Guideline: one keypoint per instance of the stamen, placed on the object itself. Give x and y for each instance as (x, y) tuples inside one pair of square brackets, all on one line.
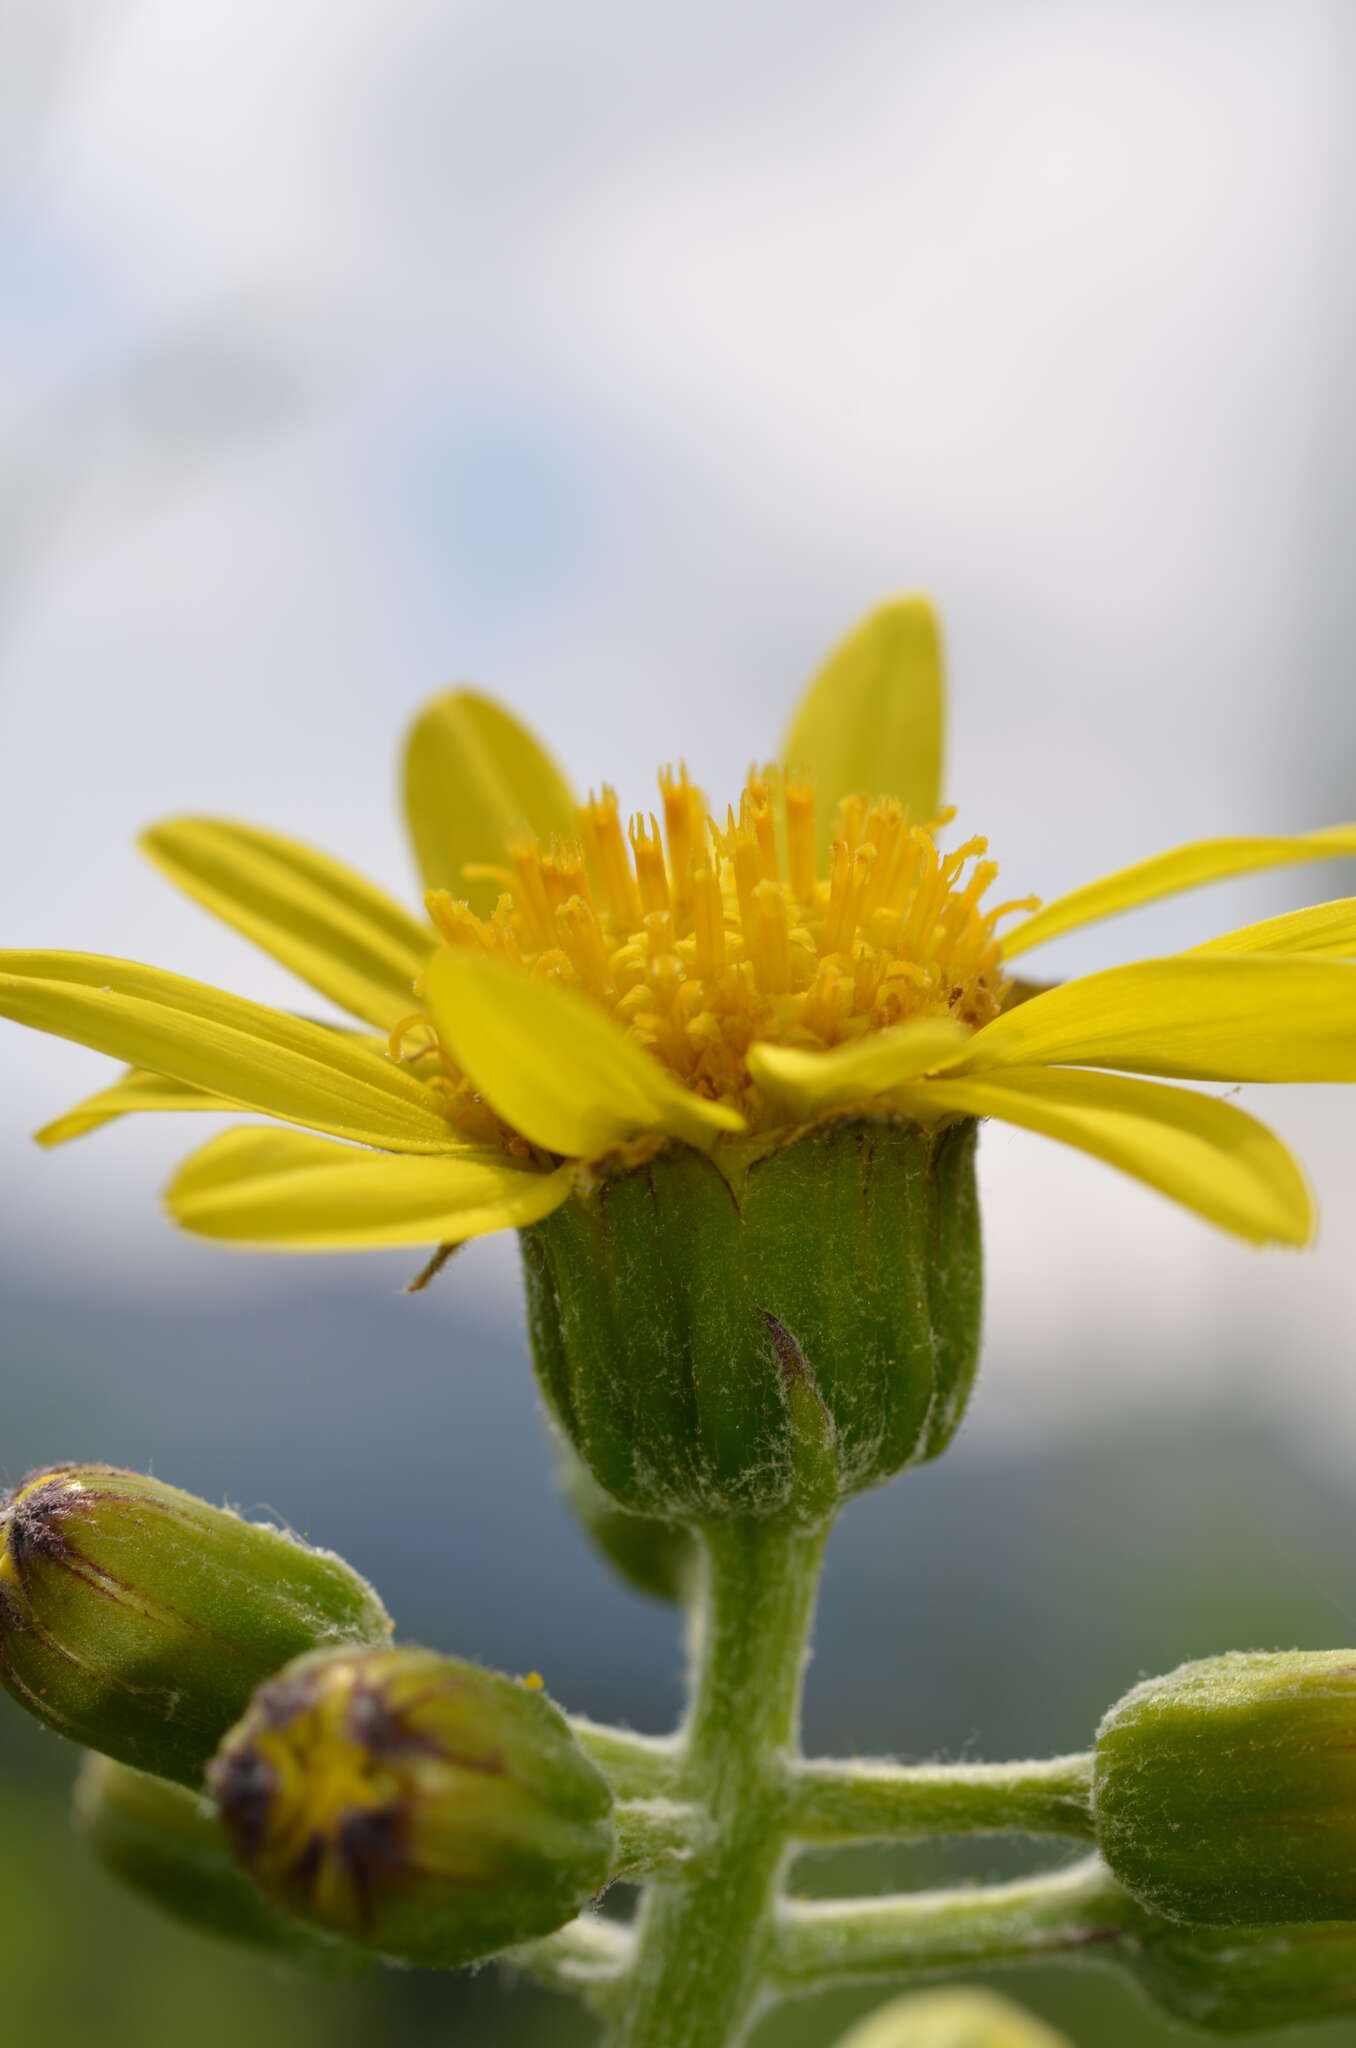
[(685, 831), (529, 896), (564, 872), (581, 935), (699, 940), (600, 822), (708, 914), (457, 922), (756, 815), (649, 856), (770, 945), (800, 836)]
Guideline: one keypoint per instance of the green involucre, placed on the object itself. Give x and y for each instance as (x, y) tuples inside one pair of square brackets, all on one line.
[(768, 1335)]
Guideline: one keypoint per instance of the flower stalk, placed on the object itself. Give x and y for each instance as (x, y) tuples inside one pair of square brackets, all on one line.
[(831, 1802), (932, 1934), (696, 1977)]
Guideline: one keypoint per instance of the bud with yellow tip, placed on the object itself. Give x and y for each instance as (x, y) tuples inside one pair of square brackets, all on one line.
[(424, 1806), (138, 1620)]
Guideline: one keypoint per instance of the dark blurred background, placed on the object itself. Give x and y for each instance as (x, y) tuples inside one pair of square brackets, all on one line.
[(615, 359)]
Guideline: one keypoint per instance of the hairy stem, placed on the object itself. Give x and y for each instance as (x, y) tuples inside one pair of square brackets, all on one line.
[(925, 1934), (868, 1801), (701, 1945), (638, 1766), (657, 1837)]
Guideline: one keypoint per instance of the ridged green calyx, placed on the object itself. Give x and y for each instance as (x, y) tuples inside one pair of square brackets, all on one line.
[(767, 1334), (169, 1845), (1246, 1980), (1225, 1792), (423, 1806), (138, 1620)]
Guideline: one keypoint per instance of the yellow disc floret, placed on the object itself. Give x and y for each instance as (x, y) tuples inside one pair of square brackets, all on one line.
[(702, 939)]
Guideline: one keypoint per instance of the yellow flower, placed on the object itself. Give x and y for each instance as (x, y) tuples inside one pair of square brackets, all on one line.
[(578, 992)]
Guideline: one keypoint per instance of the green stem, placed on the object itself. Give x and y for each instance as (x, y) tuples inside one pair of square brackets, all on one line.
[(638, 1766), (926, 1934), (856, 1802), (701, 1945), (656, 1837)]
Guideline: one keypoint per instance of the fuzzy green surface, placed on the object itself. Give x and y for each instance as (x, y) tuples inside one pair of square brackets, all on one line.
[(420, 1805), (675, 1309), (1225, 1792), (137, 1619)]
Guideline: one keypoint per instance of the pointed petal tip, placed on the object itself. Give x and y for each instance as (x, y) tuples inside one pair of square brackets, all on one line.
[(873, 718), (472, 774)]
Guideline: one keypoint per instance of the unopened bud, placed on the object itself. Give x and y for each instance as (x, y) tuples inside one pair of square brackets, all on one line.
[(426, 1807), (138, 1620), (168, 1844), (953, 2019), (1225, 1793)]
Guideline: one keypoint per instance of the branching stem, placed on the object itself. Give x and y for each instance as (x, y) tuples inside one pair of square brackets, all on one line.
[(701, 1945), (926, 1934), (869, 1801), (639, 1766)]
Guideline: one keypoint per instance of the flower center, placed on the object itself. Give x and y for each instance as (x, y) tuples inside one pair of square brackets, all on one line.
[(310, 1794), (702, 940)]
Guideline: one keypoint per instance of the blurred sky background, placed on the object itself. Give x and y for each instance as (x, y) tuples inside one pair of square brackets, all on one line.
[(616, 359)]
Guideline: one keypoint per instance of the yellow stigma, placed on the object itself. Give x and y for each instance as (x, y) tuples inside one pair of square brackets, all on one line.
[(702, 938)]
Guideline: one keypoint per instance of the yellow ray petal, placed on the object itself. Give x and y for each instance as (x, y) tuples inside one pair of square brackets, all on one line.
[(807, 1084), (340, 933), (1168, 874), (1204, 1153), (138, 1090), (555, 1065), (291, 1192), (257, 1058), (1325, 931), (472, 775), (132, 1092), (874, 717), (1258, 1017)]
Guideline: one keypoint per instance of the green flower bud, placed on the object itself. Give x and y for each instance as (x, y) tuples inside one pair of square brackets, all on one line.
[(658, 1558), (138, 1620), (953, 2019), (1226, 1792), (169, 1845), (765, 1334), (1244, 1980), (428, 1808)]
